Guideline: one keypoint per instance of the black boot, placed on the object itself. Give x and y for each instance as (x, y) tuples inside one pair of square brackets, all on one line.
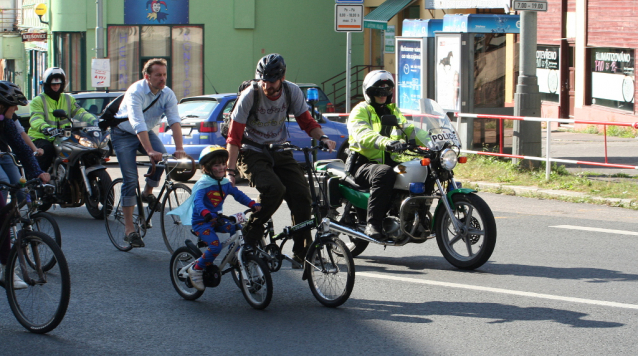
[(374, 231)]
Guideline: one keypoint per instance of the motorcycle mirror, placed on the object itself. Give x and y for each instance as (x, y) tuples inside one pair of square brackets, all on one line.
[(59, 113), (389, 120)]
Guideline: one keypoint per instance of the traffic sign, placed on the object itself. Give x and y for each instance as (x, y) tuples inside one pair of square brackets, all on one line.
[(530, 5), (348, 18)]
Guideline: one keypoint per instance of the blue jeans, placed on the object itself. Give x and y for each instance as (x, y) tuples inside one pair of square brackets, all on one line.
[(9, 173), (126, 146)]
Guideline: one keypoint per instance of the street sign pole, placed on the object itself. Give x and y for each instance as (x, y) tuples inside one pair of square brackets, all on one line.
[(348, 19), (527, 137)]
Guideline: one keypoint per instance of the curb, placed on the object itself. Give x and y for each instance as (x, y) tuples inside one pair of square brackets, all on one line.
[(536, 192)]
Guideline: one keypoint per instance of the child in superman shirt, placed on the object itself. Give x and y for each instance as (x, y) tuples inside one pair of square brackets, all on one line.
[(206, 202)]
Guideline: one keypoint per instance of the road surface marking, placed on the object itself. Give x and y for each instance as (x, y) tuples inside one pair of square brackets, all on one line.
[(609, 231), (499, 290)]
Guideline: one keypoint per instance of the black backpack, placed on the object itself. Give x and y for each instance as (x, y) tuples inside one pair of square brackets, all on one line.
[(225, 126)]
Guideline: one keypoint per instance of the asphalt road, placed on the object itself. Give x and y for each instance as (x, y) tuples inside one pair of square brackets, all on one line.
[(549, 288)]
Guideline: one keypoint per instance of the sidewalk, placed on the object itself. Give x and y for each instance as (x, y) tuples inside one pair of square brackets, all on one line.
[(580, 147)]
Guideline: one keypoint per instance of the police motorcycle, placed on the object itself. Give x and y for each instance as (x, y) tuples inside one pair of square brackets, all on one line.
[(78, 173), (461, 221)]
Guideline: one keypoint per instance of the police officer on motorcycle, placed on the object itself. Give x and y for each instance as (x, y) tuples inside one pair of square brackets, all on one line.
[(372, 146), (44, 126)]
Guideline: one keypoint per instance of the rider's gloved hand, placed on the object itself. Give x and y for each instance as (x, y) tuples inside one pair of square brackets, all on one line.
[(51, 131), (211, 218), (256, 207), (395, 146)]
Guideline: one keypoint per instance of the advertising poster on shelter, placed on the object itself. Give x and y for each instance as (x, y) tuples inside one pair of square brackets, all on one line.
[(447, 61), (156, 12), (409, 74)]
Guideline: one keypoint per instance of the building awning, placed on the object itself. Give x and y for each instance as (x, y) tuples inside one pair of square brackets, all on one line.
[(379, 17)]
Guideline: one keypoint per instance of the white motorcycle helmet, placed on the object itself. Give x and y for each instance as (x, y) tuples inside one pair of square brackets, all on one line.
[(372, 85), (54, 75)]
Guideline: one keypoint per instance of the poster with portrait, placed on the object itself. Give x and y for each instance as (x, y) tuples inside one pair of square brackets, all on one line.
[(409, 73), (156, 12), (448, 72)]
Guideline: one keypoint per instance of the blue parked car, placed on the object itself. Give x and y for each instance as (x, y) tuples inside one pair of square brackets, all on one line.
[(201, 122)]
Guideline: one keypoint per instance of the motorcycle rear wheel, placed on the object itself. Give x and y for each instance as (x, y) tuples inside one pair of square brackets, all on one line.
[(469, 250)]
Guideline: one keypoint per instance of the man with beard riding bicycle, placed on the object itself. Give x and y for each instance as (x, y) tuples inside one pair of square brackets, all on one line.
[(276, 175)]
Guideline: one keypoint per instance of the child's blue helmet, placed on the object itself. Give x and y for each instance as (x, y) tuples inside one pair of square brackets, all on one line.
[(211, 152)]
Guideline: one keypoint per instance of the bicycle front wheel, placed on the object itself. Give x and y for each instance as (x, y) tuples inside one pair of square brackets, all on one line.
[(331, 271), (41, 306), (46, 224), (173, 231), (257, 288), (114, 216)]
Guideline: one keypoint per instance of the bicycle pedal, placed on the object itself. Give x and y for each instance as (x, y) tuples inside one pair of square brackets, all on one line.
[(149, 225)]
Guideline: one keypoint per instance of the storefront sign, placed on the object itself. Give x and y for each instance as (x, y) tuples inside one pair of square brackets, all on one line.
[(409, 74), (34, 37), (100, 72), (548, 70), (156, 12), (389, 39), (613, 77)]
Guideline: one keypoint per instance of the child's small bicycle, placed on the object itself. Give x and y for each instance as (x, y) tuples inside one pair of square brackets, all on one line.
[(253, 274)]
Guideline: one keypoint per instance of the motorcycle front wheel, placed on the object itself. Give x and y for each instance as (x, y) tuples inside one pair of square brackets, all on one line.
[(100, 182), (473, 245)]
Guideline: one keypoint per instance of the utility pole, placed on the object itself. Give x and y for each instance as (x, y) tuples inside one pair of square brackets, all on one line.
[(99, 30), (527, 100)]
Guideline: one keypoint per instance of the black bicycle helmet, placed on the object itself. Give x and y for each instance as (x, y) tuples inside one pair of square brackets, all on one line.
[(271, 67), (11, 95)]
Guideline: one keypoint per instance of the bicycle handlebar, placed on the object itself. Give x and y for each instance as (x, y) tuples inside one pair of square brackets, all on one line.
[(287, 146), (165, 157)]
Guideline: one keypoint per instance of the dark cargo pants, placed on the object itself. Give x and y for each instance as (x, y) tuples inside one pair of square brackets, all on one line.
[(277, 177)]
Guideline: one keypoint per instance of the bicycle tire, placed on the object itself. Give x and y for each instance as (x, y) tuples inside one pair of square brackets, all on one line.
[(181, 258), (259, 293), (46, 224), (332, 281), (27, 304), (114, 216), (173, 232)]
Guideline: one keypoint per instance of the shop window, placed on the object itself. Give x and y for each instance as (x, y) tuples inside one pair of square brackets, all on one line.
[(124, 53), (489, 70), (612, 77), (70, 50), (181, 46), (156, 41), (188, 56)]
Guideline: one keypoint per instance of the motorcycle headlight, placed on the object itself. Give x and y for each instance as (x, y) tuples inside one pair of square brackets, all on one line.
[(87, 143), (449, 159), (105, 141)]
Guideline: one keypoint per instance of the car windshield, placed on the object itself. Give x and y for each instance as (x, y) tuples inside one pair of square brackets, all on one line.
[(196, 108)]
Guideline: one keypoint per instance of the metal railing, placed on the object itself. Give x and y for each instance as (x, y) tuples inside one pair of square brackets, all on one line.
[(338, 84), (548, 160)]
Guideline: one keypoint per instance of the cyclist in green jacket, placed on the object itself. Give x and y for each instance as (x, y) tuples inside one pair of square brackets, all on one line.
[(43, 124), (374, 148)]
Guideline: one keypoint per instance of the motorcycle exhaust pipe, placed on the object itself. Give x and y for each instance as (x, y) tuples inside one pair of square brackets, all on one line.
[(356, 234)]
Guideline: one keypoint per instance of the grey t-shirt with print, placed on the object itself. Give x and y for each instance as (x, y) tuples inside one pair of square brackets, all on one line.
[(268, 125)]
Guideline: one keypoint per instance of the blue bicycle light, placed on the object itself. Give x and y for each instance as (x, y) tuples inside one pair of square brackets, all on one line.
[(417, 188), (312, 94)]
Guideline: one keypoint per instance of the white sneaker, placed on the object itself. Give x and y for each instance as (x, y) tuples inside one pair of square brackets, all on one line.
[(18, 283), (197, 278)]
